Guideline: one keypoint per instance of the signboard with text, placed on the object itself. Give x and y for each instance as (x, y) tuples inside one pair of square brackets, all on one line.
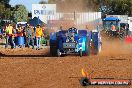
[(43, 11)]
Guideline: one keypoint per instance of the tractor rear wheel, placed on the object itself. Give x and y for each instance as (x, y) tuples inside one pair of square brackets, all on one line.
[(96, 50), (87, 47), (53, 50)]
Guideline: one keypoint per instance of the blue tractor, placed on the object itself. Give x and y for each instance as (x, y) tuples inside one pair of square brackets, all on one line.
[(73, 41), (113, 27)]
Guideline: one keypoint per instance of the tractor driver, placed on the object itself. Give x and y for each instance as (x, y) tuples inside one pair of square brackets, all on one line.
[(113, 27)]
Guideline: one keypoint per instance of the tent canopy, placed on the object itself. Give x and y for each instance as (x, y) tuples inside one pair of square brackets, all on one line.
[(111, 19), (35, 21)]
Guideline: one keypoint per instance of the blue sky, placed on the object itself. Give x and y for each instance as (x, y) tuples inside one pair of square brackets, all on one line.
[(27, 3)]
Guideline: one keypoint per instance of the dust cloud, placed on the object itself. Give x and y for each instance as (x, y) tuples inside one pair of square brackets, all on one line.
[(114, 47), (72, 5)]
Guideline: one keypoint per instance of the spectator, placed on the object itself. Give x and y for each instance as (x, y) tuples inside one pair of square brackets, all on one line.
[(113, 27), (24, 34), (9, 36), (1, 32), (30, 36), (39, 34), (19, 31)]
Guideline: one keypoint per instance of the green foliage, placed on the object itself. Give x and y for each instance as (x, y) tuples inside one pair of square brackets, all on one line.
[(2, 9), (5, 1), (5, 11), (123, 7), (17, 13), (118, 7), (20, 13)]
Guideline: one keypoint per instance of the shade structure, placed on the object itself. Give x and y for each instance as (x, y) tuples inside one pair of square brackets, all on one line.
[(35, 21), (111, 19)]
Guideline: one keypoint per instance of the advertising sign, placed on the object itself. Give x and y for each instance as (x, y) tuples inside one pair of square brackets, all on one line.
[(43, 11)]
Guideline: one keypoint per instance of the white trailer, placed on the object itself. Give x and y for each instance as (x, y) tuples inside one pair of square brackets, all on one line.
[(23, 24), (130, 23), (123, 18)]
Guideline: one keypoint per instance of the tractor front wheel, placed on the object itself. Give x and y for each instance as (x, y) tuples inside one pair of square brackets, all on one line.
[(58, 53)]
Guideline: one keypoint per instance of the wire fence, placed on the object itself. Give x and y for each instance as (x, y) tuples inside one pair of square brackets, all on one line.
[(80, 20)]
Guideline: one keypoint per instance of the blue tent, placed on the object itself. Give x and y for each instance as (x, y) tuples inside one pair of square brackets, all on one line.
[(35, 21), (111, 19)]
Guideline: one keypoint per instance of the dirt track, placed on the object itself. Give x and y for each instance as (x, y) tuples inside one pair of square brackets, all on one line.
[(27, 68)]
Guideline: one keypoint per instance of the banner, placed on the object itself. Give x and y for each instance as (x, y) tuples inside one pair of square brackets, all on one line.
[(43, 11)]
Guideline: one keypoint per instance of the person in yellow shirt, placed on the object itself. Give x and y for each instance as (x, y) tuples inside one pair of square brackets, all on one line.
[(39, 33), (9, 36)]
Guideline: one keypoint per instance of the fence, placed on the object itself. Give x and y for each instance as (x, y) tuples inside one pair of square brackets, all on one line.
[(80, 20)]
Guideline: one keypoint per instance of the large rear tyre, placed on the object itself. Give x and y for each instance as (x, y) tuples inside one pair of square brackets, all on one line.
[(52, 51), (96, 50), (80, 52)]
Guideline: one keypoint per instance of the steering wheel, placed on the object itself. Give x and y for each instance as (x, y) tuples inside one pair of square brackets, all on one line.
[(72, 30)]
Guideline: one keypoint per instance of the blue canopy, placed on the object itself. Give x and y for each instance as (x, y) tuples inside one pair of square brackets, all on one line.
[(35, 21), (111, 19)]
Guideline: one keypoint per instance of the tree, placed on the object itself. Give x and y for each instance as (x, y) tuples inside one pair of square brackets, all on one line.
[(5, 1), (5, 11), (20, 13), (118, 7), (2, 9), (43, 2)]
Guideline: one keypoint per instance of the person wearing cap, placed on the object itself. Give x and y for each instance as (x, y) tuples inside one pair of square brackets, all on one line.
[(39, 33), (9, 36), (30, 35)]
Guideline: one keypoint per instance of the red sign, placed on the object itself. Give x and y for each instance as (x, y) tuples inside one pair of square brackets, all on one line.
[(128, 39)]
